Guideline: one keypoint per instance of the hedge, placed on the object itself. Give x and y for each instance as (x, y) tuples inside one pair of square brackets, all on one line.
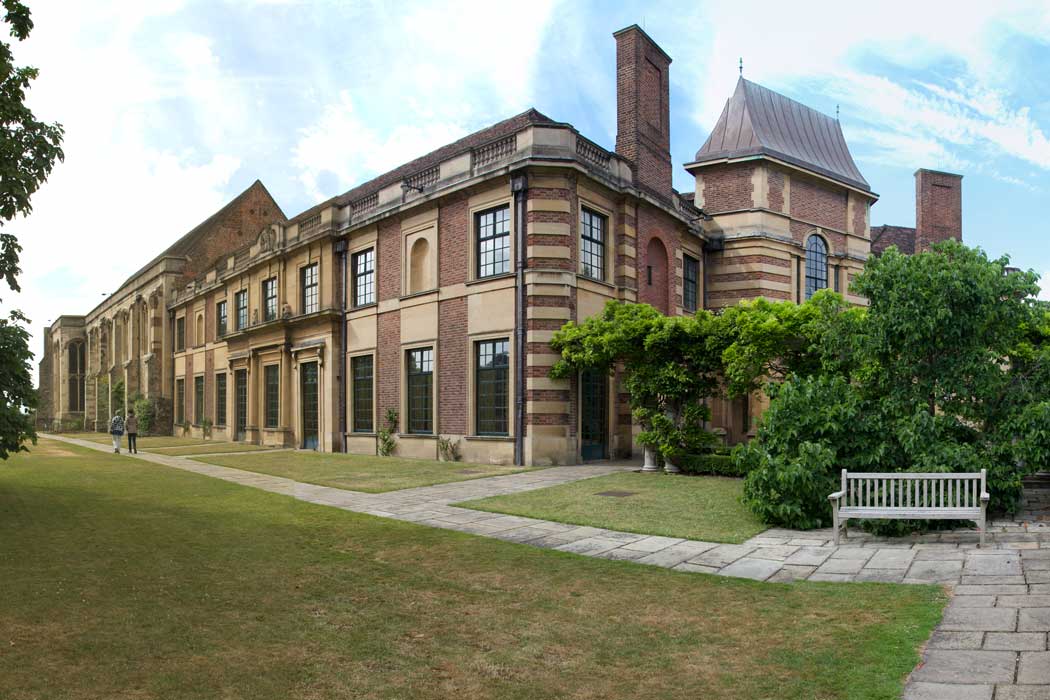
[(718, 464)]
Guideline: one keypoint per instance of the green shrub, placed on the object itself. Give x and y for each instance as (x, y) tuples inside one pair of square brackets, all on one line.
[(386, 443), (145, 411), (712, 463)]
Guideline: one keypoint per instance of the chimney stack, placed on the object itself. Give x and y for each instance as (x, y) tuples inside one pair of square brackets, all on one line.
[(643, 130), (938, 208)]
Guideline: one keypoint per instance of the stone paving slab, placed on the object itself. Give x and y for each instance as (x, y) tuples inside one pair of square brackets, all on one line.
[(992, 641)]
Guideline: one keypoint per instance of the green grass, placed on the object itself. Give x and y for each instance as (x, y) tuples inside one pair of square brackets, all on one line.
[(143, 442), (209, 447), (694, 507), (359, 472), (124, 579)]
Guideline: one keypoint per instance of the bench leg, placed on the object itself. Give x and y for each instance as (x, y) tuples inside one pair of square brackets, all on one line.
[(835, 521)]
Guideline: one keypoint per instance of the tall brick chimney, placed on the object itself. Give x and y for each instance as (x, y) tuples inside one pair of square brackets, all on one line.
[(938, 208), (643, 129)]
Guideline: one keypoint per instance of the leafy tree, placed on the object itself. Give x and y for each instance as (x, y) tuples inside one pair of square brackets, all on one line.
[(671, 367), (29, 149), (948, 369)]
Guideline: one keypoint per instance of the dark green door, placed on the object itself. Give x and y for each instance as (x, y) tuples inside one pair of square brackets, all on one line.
[(308, 394), (594, 402), (240, 403)]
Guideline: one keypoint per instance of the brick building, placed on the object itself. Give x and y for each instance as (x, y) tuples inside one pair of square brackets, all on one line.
[(430, 293)]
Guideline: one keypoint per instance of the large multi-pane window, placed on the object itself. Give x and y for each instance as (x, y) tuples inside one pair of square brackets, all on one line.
[(420, 387), (77, 371), (592, 244), (308, 288), (240, 300), (180, 334), (816, 265), (220, 398), (690, 282), (221, 319), (363, 267), (198, 400), (269, 293), (272, 383), (180, 401), (492, 229), (491, 383), (362, 368)]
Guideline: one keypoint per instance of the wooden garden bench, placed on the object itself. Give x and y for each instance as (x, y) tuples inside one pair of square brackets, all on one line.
[(910, 496)]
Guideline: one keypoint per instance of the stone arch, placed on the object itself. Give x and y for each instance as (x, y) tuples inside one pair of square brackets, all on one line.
[(419, 267), (655, 281)]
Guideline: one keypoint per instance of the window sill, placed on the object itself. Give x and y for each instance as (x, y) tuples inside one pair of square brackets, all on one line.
[(489, 438), (416, 436), (490, 278), (360, 435), (603, 283), (362, 307), (413, 295)]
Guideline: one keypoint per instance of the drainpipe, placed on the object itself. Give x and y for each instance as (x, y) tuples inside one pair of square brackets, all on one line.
[(340, 249), (519, 186)]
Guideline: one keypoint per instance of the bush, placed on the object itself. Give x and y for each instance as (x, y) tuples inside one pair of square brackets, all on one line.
[(145, 412), (385, 441), (712, 463)]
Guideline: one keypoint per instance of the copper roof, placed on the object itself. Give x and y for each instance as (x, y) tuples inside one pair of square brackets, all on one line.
[(759, 122)]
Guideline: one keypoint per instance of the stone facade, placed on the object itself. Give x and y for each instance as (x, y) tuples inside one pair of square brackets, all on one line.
[(430, 294)]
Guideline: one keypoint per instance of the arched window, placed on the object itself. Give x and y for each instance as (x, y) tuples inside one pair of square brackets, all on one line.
[(419, 270), (76, 376), (816, 265)]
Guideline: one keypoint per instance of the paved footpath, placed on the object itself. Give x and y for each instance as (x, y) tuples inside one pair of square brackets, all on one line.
[(991, 644)]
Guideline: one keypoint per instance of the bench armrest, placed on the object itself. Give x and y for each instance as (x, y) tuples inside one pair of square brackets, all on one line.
[(985, 497), (836, 496)]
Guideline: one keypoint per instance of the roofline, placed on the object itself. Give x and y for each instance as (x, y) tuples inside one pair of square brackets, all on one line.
[(938, 172), (628, 28), (786, 161)]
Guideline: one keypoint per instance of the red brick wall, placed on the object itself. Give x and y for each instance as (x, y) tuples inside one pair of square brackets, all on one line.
[(653, 224), (643, 133), (728, 188), (209, 384), (938, 208), (818, 203), (238, 225), (453, 365), (860, 210), (388, 259), (776, 189), (388, 367), (454, 229)]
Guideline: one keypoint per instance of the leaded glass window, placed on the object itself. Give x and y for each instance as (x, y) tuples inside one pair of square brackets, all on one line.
[(491, 384), (363, 265), (592, 244), (690, 282), (816, 265), (308, 279), (492, 228), (420, 390), (362, 368), (272, 382)]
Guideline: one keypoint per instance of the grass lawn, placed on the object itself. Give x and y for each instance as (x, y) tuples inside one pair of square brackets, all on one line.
[(359, 472), (695, 507), (143, 442), (209, 447), (124, 579)]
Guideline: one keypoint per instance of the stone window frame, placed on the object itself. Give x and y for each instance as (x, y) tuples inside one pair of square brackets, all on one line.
[(473, 342), (222, 318), (686, 256), (608, 245), (200, 407), (266, 396), (355, 302), (479, 207), (238, 295), (270, 291), (352, 388), (432, 345), (220, 407), (809, 268), (180, 333), (301, 281), (180, 400)]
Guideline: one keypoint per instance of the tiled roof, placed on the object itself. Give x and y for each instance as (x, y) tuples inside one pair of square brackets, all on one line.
[(478, 138), (758, 121), (882, 237)]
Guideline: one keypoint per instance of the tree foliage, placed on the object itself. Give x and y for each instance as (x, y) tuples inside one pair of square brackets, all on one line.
[(671, 366), (946, 370), (29, 149)]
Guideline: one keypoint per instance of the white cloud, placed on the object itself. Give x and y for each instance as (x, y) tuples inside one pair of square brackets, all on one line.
[(430, 73)]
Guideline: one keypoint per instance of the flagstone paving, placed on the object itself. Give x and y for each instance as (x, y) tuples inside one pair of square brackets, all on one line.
[(992, 642)]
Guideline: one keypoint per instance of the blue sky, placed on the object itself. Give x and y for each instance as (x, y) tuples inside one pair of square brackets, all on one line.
[(172, 107)]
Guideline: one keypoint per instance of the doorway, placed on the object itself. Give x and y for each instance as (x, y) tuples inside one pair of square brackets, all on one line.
[(240, 404), (594, 412), (308, 396)]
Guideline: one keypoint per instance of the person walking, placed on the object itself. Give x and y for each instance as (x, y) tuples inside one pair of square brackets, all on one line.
[(116, 429), (131, 425)]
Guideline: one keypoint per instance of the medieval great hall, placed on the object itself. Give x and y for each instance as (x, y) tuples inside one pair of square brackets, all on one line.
[(424, 300)]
